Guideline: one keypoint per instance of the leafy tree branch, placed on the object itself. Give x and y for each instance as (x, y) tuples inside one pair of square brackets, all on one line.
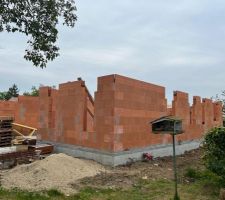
[(37, 19)]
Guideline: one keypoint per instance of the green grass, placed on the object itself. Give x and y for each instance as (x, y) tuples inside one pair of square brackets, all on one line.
[(205, 186), (192, 173), (17, 194)]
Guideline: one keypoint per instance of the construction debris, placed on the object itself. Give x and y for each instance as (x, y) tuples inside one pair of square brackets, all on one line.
[(19, 157), (24, 134), (8, 149), (23, 139), (6, 135), (43, 148)]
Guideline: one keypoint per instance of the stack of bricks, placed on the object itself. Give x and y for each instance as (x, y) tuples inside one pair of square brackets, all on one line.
[(123, 109), (6, 135), (27, 111)]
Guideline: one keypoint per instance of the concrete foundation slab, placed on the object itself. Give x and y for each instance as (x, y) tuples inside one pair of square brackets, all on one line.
[(120, 158)]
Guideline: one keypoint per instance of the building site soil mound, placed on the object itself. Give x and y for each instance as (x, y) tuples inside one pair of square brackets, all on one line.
[(57, 171), (69, 174)]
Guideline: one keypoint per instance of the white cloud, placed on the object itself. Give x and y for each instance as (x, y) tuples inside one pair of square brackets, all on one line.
[(194, 61), (177, 44), (100, 56)]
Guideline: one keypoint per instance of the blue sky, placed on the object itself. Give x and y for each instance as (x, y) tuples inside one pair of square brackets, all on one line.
[(176, 44)]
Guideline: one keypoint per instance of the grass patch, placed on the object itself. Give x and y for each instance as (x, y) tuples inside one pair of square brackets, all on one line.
[(16, 194), (54, 193), (150, 190), (192, 173), (207, 182), (205, 187)]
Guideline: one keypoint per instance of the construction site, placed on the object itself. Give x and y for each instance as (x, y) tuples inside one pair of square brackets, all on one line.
[(65, 135)]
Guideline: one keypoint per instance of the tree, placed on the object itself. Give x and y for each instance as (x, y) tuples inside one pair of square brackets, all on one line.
[(34, 92), (214, 150), (3, 95), (12, 92), (37, 19)]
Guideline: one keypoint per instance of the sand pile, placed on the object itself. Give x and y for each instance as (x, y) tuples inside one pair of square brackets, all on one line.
[(57, 171)]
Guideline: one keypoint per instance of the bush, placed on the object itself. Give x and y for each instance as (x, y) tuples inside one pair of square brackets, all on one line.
[(214, 151), (192, 173)]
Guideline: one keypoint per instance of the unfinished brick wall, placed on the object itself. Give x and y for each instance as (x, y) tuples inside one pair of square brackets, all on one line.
[(70, 109), (119, 117), (195, 130), (123, 109), (181, 107), (90, 113), (27, 111), (207, 113), (197, 119), (74, 116), (7, 108), (66, 114), (218, 118), (46, 129), (196, 111)]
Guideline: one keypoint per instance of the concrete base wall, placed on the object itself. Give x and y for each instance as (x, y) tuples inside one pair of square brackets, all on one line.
[(120, 158)]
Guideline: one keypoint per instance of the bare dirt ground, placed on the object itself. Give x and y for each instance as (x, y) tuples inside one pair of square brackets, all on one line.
[(127, 176), (69, 175)]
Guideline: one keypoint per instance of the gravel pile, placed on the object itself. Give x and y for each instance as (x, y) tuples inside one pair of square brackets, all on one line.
[(58, 171)]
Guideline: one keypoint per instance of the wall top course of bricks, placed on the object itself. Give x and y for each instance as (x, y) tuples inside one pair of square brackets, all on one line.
[(118, 80), (71, 84), (196, 99)]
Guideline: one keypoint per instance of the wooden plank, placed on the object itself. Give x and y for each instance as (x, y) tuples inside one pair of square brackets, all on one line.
[(14, 130), (21, 125)]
